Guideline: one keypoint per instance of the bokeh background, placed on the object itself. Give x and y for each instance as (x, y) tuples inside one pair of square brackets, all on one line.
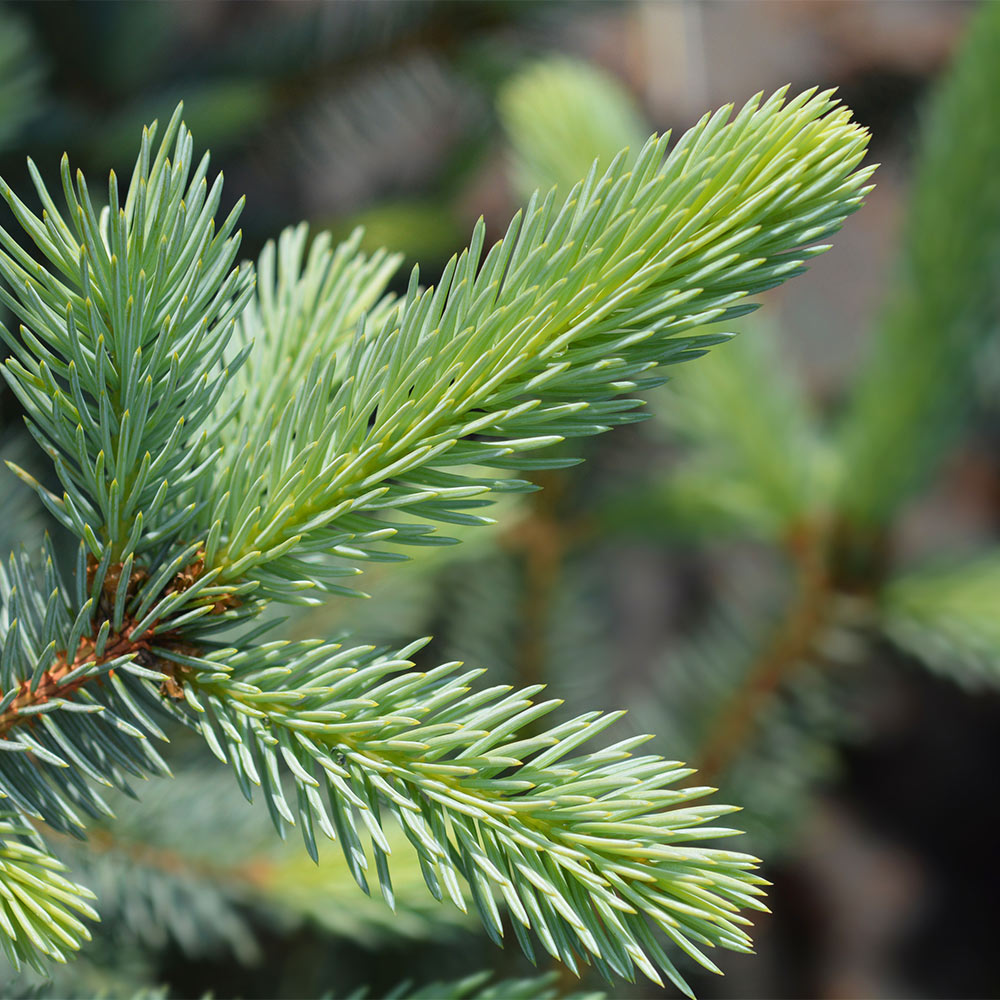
[(876, 817)]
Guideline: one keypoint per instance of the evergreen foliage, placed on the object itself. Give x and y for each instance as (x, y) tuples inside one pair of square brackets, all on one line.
[(219, 448), (41, 910), (157, 881), (759, 695)]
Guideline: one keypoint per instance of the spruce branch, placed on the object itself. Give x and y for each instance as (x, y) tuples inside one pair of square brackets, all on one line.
[(123, 332), (756, 472), (40, 909), (197, 498), (576, 307), (77, 707), (591, 849)]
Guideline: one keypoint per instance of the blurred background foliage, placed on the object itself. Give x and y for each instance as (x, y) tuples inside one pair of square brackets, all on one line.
[(758, 572)]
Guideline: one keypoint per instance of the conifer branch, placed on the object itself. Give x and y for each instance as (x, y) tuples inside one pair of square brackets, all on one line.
[(199, 492), (124, 328), (78, 705), (583, 847), (40, 910), (575, 307)]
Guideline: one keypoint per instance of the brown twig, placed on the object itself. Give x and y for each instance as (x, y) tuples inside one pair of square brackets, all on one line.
[(53, 683), (542, 538), (538, 538), (790, 643)]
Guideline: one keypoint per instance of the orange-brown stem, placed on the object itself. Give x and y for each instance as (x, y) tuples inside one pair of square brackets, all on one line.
[(539, 538), (789, 645), (52, 684), (542, 538)]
